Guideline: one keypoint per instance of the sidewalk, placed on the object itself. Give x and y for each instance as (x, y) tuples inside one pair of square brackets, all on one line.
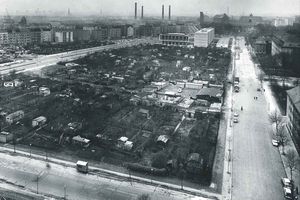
[(10, 192), (109, 174), (272, 106)]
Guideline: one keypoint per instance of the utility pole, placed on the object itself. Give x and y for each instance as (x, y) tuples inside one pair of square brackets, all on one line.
[(65, 191), (37, 181), (30, 150)]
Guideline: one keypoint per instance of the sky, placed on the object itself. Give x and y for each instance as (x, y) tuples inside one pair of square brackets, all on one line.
[(152, 7)]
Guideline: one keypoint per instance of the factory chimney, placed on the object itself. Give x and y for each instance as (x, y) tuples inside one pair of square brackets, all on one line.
[(135, 10), (169, 12), (162, 12), (142, 13)]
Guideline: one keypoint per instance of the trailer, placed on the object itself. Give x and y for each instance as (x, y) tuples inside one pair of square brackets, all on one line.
[(82, 166)]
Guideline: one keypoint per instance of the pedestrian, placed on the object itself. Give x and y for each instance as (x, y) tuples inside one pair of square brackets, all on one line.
[(241, 108)]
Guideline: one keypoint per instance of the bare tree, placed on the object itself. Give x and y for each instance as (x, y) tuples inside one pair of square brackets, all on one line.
[(282, 137), (144, 197), (275, 117), (292, 161), (261, 78)]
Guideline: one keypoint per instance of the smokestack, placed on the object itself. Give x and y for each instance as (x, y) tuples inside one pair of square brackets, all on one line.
[(201, 18), (142, 12), (169, 12), (135, 10), (162, 12)]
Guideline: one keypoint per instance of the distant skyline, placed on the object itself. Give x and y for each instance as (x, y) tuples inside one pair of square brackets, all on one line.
[(151, 8)]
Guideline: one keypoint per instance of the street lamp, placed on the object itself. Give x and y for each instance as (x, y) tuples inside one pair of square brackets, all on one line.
[(37, 181), (151, 174), (30, 150), (65, 191)]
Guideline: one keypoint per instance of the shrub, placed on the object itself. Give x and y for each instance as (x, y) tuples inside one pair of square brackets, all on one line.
[(159, 160)]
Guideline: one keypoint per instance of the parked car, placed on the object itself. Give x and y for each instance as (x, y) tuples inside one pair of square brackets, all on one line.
[(287, 193), (275, 142), (235, 120), (286, 182)]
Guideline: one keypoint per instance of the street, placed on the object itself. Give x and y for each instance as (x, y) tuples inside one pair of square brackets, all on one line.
[(62, 181), (257, 166)]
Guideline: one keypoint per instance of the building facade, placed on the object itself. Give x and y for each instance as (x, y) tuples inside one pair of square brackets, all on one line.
[(293, 113), (3, 37), (282, 45), (46, 35), (61, 36), (174, 39), (262, 46), (204, 37)]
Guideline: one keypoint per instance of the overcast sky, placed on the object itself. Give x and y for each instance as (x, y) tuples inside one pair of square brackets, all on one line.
[(153, 7)]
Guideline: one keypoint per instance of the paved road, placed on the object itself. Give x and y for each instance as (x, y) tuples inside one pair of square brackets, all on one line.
[(59, 180), (43, 61), (257, 167)]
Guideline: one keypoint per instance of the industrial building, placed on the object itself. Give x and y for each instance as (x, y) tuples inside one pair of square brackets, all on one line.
[(174, 39), (204, 37)]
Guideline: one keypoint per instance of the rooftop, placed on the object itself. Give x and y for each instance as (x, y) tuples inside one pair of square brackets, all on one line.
[(194, 157), (163, 138), (215, 92), (205, 30)]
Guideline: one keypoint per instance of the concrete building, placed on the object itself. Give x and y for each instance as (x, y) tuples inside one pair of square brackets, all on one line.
[(114, 33), (262, 46), (3, 37), (61, 36), (293, 113), (46, 35), (130, 31), (39, 121), (100, 35), (6, 137), (14, 117), (204, 37), (19, 37), (285, 44), (82, 35), (174, 39), (281, 22)]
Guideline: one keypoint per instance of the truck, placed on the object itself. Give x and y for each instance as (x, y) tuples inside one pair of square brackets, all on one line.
[(82, 166)]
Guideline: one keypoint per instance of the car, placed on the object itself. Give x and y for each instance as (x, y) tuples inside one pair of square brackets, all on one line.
[(287, 183), (258, 89), (287, 193), (235, 120), (275, 142), (235, 114)]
